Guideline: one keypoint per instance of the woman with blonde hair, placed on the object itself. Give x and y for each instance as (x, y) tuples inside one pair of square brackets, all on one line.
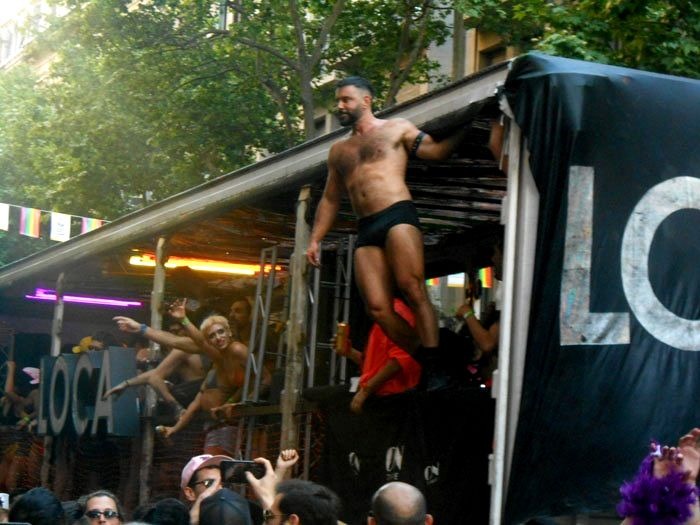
[(224, 381)]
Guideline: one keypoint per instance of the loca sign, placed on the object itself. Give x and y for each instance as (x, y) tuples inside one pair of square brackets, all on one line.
[(578, 325), (72, 394)]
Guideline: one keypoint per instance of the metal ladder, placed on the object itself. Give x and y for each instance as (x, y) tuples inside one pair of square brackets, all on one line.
[(260, 323), (341, 289)]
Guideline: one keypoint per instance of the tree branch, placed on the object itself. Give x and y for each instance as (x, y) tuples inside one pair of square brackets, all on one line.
[(268, 49), (299, 31), (399, 74), (325, 31)]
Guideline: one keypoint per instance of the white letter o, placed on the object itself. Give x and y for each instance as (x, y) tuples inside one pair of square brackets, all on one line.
[(658, 203)]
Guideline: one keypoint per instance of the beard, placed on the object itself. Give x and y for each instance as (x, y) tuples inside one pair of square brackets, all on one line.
[(348, 118)]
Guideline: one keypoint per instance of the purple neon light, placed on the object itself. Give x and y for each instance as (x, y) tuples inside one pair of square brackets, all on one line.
[(42, 294)]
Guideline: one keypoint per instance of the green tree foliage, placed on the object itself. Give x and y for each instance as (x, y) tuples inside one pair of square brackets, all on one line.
[(655, 35), (152, 100)]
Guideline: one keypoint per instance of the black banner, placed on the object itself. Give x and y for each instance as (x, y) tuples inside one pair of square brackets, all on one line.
[(437, 441), (612, 355)]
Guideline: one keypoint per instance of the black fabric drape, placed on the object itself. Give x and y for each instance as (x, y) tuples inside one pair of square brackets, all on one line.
[(589, 410)]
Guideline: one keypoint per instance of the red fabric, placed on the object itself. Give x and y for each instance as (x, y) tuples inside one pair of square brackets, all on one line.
[(380, 349)]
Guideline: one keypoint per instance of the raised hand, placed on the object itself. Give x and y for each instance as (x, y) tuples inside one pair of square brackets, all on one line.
[(690, 449), (264, 487), (287, 459), (177, 309), (127, 324)]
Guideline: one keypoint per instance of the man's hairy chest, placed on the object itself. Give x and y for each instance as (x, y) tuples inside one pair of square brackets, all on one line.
[(352, 154)]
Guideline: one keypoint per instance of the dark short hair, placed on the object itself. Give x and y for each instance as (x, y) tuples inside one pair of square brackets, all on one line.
[(168, 511), (242, 299), (224, 506), (73, 510), (313, 503), (38, 506), (139, 340), (358, 82), (105, 337)]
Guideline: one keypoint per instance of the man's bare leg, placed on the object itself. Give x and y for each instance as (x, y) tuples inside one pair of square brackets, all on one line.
[(375, 281), (404, 254)]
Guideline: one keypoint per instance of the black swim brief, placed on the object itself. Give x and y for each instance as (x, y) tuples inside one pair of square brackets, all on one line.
[(372, 230)]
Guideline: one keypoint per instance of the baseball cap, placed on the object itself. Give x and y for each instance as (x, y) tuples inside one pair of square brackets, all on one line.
[(224, 506), (198, 462)]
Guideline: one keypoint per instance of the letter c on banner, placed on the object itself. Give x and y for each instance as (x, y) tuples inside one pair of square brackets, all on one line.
[(657, 204)]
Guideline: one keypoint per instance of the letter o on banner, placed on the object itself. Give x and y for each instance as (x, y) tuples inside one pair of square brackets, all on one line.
[(657, 204), (83, 395), (60, 395)]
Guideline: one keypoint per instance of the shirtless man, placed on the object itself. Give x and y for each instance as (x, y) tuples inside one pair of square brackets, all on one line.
[(370, 165)]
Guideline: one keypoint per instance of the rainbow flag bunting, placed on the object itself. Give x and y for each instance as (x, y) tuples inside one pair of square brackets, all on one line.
[(29, 222), (486, 277), (90, 224), (4, 216)]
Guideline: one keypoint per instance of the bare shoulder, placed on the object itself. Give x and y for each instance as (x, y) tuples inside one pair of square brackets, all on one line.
[(239, 349), (403, 125), (338, 146)]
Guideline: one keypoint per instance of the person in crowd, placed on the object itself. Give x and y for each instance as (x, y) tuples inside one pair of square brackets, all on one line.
[(141, 345), (103, 508), (225, 507), (37, 506), (240, 316), (386, 368), (200, 479), (168, 511), (370, 166), (73, 510), (665, 490), (484, 332), (399, 503), (101, 340), (189, 368), (24, 408), (293, 501)]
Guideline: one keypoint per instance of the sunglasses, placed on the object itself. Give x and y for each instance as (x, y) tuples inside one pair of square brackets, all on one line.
[(206, 482), (268, 515), (108, 514)]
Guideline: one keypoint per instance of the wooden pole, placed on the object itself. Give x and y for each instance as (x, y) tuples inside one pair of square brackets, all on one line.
[(56, 330), (147, 435), (459, 46), (57, 325), (296, 330)]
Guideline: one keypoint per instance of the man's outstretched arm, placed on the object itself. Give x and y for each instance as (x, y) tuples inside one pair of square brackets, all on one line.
[(419, 144), (326, 212)]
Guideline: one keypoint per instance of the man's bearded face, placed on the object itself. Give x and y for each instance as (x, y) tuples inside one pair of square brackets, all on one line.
[(349, 105), (348, 117)]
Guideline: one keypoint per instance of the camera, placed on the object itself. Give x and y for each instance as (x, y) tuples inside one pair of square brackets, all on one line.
[(234, 471)]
